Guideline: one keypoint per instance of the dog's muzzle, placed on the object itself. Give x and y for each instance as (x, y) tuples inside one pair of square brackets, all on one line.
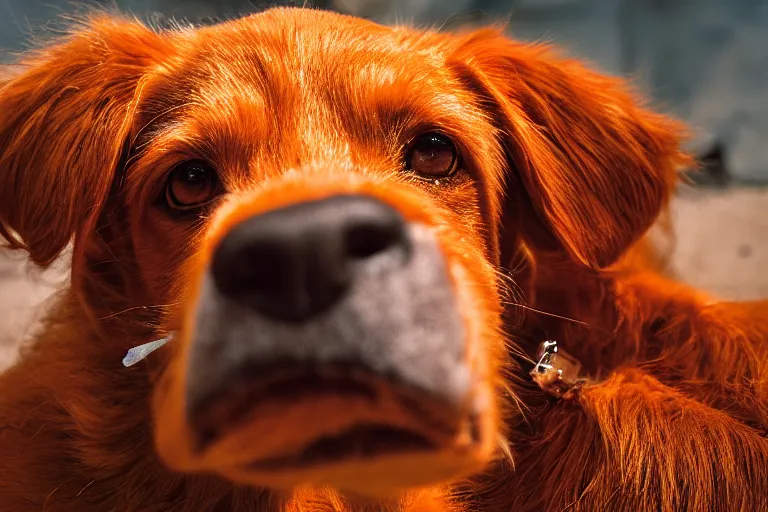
[(327, 335)]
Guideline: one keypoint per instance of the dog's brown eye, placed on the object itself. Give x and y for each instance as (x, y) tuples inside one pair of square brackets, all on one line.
[(432, 155), (191, 185)]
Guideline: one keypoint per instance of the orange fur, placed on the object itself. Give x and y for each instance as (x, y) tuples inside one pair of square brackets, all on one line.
[(564, 172)]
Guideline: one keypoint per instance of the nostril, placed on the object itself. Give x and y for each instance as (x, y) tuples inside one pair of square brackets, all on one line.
[(372, 229), (366, 240), (241, 269)]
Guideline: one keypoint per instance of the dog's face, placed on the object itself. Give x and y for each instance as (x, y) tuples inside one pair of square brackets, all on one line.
[(326, 205)]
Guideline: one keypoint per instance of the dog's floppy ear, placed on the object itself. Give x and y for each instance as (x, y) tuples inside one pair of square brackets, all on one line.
[(595, 167), (65, 113)]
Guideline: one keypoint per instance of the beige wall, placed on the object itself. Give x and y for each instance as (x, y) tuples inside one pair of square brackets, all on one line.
[(722, 241)]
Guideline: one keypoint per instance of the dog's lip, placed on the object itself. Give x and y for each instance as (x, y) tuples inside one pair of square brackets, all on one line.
[(361, 442), (287, 384)]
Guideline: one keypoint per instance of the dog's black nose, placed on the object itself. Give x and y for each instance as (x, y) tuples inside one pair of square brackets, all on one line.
[(294, 263)]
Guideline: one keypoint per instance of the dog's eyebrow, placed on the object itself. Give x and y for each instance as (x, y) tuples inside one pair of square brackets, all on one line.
[(157, 123)]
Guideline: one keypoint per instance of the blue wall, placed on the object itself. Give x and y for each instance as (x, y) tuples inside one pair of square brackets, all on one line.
[(703, 60)]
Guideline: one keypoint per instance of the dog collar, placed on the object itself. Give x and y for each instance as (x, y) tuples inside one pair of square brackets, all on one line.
[(556, 372), (136, 354)]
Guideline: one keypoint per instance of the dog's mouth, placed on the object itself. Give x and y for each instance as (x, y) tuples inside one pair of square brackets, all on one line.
[(360, 443), (337, 425), (383, 417), (230, 410)]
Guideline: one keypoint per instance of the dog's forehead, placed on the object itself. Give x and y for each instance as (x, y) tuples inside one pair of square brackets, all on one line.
[(306, 84), (312, 49), (298, 35)]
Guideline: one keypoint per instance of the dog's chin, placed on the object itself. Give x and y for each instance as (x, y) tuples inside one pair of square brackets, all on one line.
[(381, 394), (369, 461), (348, 429), (381, 455)]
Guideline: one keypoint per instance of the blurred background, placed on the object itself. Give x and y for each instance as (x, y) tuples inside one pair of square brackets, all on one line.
[(705, 61)]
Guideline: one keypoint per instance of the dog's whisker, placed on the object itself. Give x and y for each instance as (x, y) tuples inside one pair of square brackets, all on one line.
[(48, 497), (511, 285), (553, 315), (516, 351), (106, 245), (521, 407), (506, 451), (135, 308), (84, 488)]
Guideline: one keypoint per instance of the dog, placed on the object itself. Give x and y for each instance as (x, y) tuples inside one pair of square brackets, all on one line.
[(349, 242)]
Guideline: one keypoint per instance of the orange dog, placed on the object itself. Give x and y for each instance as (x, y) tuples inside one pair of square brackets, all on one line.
[(356, 237)]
